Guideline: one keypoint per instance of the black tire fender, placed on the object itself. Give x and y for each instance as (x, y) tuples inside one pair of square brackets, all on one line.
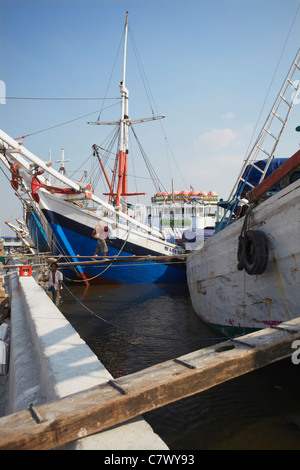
[(255, 253)]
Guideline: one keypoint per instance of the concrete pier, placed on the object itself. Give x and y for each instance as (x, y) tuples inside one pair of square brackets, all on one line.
[(49, 360)]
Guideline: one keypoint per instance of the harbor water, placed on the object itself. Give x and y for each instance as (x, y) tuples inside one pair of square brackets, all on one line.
[(133, 327)]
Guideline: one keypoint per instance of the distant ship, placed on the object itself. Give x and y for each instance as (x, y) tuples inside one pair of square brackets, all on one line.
[(68, 211)]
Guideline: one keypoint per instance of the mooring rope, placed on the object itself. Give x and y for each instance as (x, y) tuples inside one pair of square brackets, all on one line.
[(137, 333), (105, 269)]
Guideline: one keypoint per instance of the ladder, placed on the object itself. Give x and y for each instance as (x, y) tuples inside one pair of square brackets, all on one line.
[(267, 141)]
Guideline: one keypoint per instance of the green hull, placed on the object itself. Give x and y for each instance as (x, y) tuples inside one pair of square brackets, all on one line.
[(232, 331)]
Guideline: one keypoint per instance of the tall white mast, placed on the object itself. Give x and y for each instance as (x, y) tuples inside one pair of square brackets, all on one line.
[(123, 150), (124, 124)]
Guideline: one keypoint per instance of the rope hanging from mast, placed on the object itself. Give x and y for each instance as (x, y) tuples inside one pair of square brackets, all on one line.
[(157, 184)]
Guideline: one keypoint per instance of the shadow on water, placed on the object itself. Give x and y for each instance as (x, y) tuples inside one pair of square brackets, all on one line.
[(133, 327)]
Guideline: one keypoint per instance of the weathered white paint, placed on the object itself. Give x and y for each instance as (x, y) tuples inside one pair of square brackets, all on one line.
[(223, 295)]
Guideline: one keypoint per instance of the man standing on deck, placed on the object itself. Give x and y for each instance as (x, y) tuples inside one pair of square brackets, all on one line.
[(100, 232)]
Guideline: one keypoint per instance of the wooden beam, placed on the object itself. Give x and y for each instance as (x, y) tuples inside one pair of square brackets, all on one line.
[(121, 259), (55, 423), (282, 171), (124, 259)]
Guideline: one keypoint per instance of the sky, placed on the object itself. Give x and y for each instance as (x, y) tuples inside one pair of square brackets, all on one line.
[(214, 69)]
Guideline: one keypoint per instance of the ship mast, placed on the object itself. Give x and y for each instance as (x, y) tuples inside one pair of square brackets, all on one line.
[(123, 147), (120, 167)]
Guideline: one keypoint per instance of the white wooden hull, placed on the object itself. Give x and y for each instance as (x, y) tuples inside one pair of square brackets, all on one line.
[(228, 298)]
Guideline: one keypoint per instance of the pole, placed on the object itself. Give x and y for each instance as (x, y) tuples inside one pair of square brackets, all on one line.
[(122, 181)]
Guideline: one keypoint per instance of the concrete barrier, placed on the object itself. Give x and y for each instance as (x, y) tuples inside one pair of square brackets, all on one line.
[(49, 360)]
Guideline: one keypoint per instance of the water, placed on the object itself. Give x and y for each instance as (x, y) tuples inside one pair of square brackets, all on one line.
[(133, 327)]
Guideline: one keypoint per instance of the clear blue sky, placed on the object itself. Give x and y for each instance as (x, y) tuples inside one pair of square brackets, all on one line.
[(209, 65)]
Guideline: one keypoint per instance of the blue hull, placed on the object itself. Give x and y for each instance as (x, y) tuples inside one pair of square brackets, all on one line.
[(72, 239), (37, 233)]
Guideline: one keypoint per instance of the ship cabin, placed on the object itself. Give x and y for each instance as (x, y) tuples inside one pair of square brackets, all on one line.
[(174, 213)]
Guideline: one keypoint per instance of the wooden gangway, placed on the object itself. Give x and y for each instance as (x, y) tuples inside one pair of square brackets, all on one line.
[(95, 260), (53, 424)]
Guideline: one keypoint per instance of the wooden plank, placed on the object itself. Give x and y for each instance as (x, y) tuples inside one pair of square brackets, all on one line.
[(55, 423), (121, 259), (284, 169), (125, 259)]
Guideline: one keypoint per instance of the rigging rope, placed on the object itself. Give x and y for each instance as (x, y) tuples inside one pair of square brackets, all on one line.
[(152, 103), (109, 81), (55, 99), (158, 185), (61, 124), (114, 134), (272, 80), (105, 269)]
